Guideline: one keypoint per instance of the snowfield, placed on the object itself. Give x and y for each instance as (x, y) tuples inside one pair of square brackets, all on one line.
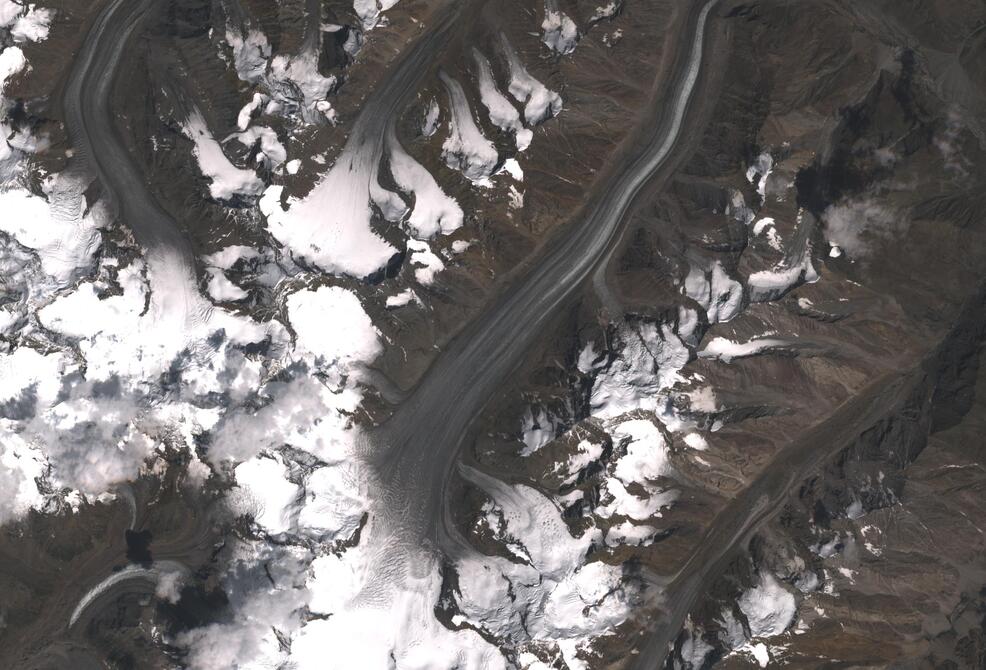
[(226, 180), (330, 227)]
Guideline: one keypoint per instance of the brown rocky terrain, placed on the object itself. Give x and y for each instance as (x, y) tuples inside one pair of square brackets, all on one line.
[(859, 420)]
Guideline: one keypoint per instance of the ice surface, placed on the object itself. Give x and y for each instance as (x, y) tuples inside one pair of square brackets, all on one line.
[(227, 180), (768, 606), (369, 11), (425, 263), (540, 103), (554, 595), (502, 113), (560, 32), (727, 350), (331, 325), (466, 149), (273, 152), (719, 295), (31, 26), (266, 494), (330, 227), (433, 212), (405, 297)]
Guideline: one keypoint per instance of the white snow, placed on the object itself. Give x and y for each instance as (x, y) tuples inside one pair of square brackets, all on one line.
[(227, 180), (267, 494), (649, 361), (645, 459), (630, 534), (158, 323), (12, 61), (429, 124), (221, 289), (553, 595), (22, 466), (369, 11), (540, 103), (726, 350), (9, 11), (433, 212), (159, 571), (513, 168), (760, 653), (460, 246), (291, 83), (586, 453), (768, 285), (696, 441), (267, 593), (396, 628), (606, 11), (32, 26), (759, 172), (502, 113), (330, 324), (536, 429), (62, 233), (330, 227), (301, 72), (405, 297), (425, 262), (718, 294), (250, 54), (466, 149), (560, 32), (243, 118), (228, 256), (334, 502), (768, 606), (646, 456), (272, 151)]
